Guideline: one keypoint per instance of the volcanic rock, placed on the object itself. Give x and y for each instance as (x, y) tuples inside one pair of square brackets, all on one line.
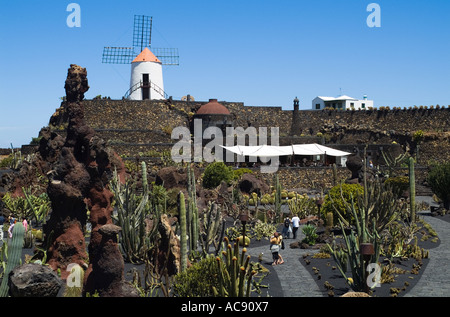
[(34, 280)]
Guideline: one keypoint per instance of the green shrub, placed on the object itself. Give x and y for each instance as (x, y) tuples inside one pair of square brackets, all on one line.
[(241, 171), (397, 184), (198, 279), (439, 180), (6, 162), (215, 173), (172, 201), (335, 200)]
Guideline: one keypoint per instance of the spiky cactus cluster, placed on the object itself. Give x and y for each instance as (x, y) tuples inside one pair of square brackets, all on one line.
[(235, 272)]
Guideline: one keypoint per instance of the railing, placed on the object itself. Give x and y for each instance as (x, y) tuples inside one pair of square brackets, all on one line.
[(150, 85)]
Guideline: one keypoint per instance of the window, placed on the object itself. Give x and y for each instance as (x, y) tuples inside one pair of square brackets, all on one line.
[(352, 105), (363, 106), (317, 106)]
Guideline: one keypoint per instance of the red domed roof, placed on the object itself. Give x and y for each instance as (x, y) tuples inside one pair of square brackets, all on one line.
[(213, 107)]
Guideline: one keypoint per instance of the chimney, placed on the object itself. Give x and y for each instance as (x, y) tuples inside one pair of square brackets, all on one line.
[(295, 125)]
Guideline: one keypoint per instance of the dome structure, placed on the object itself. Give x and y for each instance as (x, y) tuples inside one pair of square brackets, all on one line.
[(213, 114), (213, 108)]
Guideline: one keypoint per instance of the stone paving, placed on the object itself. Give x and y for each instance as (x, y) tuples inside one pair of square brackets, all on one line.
[(296, 281), (435, 281)]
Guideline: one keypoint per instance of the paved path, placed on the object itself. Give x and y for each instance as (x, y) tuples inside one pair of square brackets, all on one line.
[(297, 281), (435, 281), (294, 278)]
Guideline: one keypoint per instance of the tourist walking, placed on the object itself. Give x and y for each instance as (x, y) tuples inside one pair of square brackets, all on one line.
[(2, 221), (295, 225), (25, 224), (10, 230), (276, 242), (286, 228)]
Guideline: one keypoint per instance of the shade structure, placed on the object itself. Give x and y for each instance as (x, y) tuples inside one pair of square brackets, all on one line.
[(317, 149), (260, 150), (274, 151)]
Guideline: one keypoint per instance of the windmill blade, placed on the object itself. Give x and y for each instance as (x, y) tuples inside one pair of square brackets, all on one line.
[(142, 31), (118, 55), (167, 56)]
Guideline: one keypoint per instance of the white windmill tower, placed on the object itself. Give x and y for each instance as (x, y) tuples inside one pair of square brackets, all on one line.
[(146, 77), (146, 68)]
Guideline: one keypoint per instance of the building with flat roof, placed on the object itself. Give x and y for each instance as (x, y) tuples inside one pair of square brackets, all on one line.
[(342, 103)]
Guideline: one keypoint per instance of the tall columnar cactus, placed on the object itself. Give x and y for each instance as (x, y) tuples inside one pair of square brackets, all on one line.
[(213, 228), (329, 220), (235, 272), (335, 175), (14, 256), (183, 230), (132, 210), (278, 199), (192, 211), (412, 189)]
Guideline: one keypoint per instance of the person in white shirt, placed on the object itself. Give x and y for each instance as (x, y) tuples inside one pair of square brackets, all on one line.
[(295, 225)]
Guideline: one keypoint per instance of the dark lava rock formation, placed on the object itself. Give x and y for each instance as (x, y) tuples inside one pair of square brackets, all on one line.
[(78, 182)]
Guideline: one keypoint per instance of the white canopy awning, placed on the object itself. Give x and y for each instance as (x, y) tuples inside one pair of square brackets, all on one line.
[(273, 151), (317, 149)]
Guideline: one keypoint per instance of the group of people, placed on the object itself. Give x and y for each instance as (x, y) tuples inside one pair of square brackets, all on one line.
[(276, 241), (12, 222), (291, 225)]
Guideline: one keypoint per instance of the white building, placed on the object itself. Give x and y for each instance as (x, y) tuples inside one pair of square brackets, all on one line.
[(146, 77), (342, 103)]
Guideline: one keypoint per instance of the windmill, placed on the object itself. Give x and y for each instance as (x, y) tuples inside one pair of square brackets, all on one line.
[(146, 63)]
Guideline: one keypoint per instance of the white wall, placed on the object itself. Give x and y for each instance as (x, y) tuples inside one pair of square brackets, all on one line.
[(357, 104), (155, 76), (317, 100)]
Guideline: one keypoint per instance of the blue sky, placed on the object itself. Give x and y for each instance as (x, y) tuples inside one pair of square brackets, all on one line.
[(262, 53)]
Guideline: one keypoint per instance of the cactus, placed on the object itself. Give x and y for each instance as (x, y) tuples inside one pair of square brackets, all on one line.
[(235, 272), (342, 259), (393, 162), (213, 228), (335, 175), (416, 252), (132, 209), (183, 230), (329, 220), (192, 211), (40, 205), (278, 198), (355, 259), (412, 189), (310, 234), (366, 231), (14, 256)]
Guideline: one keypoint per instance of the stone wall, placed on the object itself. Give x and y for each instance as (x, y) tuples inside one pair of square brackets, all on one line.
[(151, 115), (315, 178), (141, 123), (156, 114), (380, 121)]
